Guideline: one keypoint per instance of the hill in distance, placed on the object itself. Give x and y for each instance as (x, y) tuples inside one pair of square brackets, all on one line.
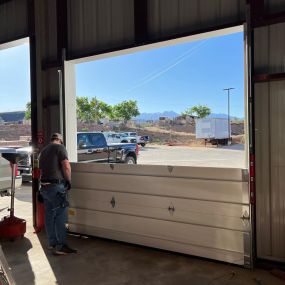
[(172, 114), (12, 116)]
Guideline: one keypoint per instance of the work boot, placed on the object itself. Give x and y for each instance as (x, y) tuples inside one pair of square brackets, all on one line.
[(65, 249)]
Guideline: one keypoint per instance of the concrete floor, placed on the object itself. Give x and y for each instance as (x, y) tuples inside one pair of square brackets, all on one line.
[(106, 262)]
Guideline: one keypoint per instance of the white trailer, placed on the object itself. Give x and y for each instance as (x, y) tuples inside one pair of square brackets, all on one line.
[(215, 130)]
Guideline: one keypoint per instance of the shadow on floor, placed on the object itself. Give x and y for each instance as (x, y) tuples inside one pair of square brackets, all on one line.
[(106, 262), (16, 253)]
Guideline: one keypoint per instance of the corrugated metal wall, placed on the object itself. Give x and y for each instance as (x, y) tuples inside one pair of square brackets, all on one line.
[(167, 17), (270, 141), (96, 25), (99, 24), (13, 20)]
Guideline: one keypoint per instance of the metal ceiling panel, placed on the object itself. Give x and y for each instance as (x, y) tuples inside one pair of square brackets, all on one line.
[(94, 25), (167, 17), (13, 20), (270, 49)]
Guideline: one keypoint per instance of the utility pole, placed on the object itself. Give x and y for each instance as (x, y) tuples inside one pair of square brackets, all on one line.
[(229, 118)]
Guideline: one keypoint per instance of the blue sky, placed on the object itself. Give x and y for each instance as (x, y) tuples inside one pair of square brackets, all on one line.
[(171, 78), (14, 78)]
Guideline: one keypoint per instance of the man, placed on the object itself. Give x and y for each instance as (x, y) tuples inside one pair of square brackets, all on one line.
[(55, 181)]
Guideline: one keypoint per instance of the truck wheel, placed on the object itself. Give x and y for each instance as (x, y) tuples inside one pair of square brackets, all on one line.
[(142, 144), (124, 141), (130, 160)]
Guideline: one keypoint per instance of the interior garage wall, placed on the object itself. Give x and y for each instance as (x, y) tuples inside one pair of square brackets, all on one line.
[(11, 29), (270, 140), (167, 17), (96, 26)]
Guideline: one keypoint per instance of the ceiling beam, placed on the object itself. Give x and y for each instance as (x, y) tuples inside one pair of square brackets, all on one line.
[(141, 20)]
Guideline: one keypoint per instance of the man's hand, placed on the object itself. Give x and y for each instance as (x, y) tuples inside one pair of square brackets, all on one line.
[(67, 185)]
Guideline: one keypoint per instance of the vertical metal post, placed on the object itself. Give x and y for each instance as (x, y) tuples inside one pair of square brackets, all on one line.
[(61, 113), (229, 118), (13, 189), (34, 99)]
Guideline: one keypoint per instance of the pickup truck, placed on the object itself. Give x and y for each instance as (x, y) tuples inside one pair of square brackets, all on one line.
[(139, 139), (93, 147), (112, 137)]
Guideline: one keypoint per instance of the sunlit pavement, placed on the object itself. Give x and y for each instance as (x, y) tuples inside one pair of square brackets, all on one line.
[(227, 156)]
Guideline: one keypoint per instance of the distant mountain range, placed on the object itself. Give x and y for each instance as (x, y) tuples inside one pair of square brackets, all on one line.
[(19, 116), (172, 114), (156, 116)]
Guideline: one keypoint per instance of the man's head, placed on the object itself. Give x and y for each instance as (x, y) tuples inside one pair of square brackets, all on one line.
[(56, 138)]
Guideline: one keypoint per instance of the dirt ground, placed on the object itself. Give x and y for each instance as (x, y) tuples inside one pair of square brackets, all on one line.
[(159, 134)]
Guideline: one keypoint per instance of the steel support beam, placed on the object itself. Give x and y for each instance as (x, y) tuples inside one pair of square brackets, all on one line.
[(269, 77), (2, 2), (34, 105), (62, 31), (141, 20), (260, 18)]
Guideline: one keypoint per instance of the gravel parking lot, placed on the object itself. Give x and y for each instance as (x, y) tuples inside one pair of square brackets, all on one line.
[(227, 156)]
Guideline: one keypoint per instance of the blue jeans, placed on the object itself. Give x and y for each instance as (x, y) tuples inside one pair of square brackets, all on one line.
[(56, 206)]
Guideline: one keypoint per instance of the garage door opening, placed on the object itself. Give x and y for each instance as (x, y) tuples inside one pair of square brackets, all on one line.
[(173, 198), (182, 102), (15, 108)]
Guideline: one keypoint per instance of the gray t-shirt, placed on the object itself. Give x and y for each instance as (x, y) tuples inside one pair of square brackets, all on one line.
[(50, 161)]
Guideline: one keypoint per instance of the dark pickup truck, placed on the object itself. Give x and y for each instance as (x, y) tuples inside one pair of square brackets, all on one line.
[(93, 147)]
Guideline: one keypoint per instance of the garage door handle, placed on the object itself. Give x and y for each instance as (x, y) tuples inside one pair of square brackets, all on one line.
[(113, 202), (171, 209), (245, 216)]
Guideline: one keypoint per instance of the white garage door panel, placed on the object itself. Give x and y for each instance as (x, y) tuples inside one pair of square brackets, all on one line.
[(214, 173), (215, 214), (227, 191), (193, 210), (165, 230), (218, 254)]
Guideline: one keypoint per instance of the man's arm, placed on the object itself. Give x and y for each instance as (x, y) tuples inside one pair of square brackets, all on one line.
[(66, 169)]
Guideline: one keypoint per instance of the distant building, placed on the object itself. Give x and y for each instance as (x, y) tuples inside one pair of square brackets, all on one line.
[(184, 119)]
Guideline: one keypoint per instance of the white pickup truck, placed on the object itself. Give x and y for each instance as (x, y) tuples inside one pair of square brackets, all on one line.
[(126, 137), (140, 139)]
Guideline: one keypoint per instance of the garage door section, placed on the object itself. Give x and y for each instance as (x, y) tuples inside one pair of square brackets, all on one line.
[(198, 211)]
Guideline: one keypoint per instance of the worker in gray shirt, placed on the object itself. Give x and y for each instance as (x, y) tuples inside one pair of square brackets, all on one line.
[(55, 182)]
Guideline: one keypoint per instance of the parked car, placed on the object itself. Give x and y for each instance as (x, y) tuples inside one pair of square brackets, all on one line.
[(25, 164), (141, 140), (93, 147), (127, 138), (112, 137), (6, 177)]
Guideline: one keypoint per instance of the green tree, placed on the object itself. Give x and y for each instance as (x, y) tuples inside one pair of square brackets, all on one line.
[(28, 111), (201, 111), (126, 110), (92, 110)]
